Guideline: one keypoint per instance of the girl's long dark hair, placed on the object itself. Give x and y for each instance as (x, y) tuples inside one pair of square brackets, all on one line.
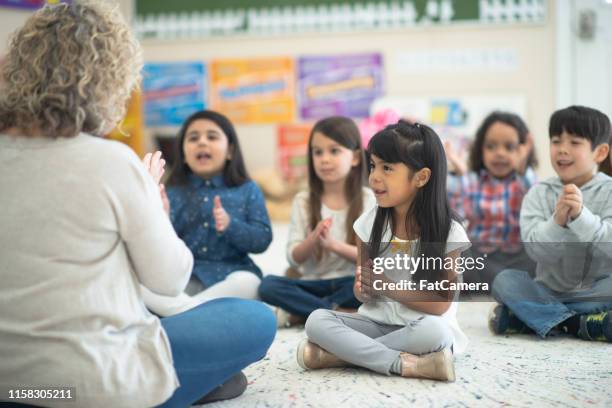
[(343, 131), (234, 172), (476, 156), (417, 146)]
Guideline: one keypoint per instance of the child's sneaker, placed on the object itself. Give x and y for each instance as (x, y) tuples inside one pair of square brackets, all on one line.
[(285, 319), (232, 388), (596, 327), (282, 317), (432, 366), (312, 357), (503, 321)]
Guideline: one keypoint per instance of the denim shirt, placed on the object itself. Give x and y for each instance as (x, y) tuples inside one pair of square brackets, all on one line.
[(216, 255)]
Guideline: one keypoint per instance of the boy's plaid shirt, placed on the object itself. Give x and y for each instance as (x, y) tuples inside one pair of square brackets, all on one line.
[(491, 207)]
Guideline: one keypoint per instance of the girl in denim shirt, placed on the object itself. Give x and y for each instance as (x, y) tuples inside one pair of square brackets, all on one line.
[(219, 213)]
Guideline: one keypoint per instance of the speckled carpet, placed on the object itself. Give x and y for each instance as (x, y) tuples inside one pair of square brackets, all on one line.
[(515, 371), (518, 370)]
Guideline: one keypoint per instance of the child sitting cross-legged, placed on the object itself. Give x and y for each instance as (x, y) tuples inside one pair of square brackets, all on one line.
[(322, 243), (409, 332), (566, 227)]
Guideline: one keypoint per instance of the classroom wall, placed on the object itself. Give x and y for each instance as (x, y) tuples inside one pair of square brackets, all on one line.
[(10, 20), (556, 67), (534, 76), (592, 57)]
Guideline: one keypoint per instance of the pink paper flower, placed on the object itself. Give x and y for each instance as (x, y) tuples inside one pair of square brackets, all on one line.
[(369, 126)]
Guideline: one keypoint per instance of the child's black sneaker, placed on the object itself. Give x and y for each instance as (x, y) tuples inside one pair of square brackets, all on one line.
[(232, 388), (596, 327), (503, 321)]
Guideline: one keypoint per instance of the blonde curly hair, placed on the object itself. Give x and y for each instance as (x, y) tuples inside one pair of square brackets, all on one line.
[(69, 69)]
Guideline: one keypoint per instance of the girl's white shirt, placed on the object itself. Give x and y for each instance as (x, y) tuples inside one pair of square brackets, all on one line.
[(331, 265), (388, 311)]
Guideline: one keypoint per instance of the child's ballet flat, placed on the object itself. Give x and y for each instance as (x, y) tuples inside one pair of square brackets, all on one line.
[(312, 357), (433, 366)]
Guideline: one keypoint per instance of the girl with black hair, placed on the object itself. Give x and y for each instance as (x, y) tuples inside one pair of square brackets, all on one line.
[(488, 195), (410, 331), (219, 213)]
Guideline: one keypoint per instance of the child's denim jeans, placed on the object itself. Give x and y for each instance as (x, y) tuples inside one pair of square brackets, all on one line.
[(302, 297), (541, 308)]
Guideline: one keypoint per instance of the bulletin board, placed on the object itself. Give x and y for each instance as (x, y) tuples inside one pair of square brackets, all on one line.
[(24, 4), (463, 9), (454, 118), (193, 18), (29, 4)]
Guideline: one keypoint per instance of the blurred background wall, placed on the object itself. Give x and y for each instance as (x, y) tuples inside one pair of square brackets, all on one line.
[(562, 59)]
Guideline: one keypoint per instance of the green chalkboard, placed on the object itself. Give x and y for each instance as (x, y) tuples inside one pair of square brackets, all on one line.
[(197, 18), (463, 9)]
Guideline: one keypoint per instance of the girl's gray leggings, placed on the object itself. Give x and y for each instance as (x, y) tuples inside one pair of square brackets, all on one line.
[(363, 342)]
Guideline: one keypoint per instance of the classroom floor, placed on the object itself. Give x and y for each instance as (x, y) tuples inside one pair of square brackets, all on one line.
[(518, 371)]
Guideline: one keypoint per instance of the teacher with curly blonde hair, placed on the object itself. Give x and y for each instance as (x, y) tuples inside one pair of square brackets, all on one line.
[(82, 226)]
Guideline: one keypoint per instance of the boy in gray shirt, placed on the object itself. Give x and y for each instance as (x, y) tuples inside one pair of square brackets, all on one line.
[(566, 227)]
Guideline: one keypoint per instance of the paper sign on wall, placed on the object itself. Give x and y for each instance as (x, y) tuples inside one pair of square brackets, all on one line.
[(25, 4), (454, 119), (173, 91), (456, 60), (292, 145), (254, 90), (129, 130), (452, 115), (339, 85)]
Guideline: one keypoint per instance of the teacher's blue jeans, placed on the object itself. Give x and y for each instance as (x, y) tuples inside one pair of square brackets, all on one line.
[(541, 308), (213, 342), (302, 297)]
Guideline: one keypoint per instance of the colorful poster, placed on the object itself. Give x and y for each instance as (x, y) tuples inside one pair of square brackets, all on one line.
[(129, 130), (447, 113), (173, 91), (339, 85), (454, 118), (254, 90), (25, 4), (452, 115), (457, 60), (29, 4), (292, 147)]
